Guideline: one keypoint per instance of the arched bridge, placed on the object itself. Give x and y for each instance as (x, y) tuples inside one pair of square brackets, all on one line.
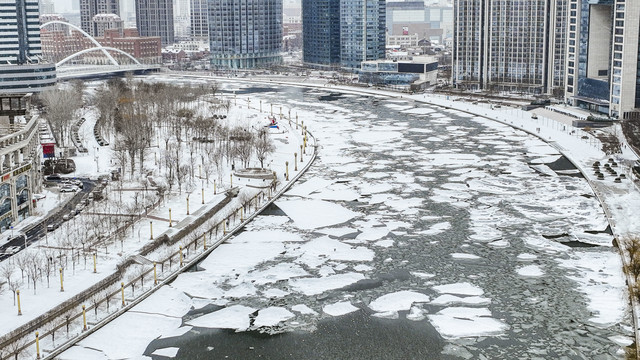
[(96, 70)]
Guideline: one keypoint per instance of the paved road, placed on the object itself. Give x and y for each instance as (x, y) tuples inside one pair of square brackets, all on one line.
[(37, 231)]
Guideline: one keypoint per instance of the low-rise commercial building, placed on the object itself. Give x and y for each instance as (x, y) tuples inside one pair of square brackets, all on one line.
[(417, 73), (20, 156)]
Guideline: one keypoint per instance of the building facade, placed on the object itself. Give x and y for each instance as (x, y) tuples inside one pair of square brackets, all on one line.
[(47, 7), (200, 21), (429, 22), (504, 45), (20, 31), (21, 67), (362, 31), (90, 8), (19, 159), (104, 22), (603, 57), (155, 18), (245, 33), (182, 19), (321, 32)]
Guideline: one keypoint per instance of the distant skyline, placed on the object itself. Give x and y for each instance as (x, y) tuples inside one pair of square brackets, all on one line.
[(64, 6)]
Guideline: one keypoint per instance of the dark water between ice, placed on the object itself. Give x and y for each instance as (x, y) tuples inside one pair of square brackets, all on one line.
[(547, 316)]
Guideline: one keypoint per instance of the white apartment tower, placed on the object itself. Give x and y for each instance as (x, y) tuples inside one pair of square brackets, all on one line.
[(20, 31), (509, 45), (602, 57)]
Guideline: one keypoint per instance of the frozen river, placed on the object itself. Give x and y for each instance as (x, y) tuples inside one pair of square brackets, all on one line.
[(418, 233)]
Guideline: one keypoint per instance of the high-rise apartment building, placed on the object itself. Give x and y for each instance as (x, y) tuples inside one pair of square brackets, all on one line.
[(602, 56), (321, 31), (90, 8), (21, 68), (504, 45), (362, 31), (105, 22), (430, 22), (155, 18), (245, 33), (558, 48), (20, 31), (200, 21), (47, 7), (625, 60), (182, 19)]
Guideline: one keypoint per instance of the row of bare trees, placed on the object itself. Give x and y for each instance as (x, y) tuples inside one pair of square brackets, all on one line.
[(186, 126)]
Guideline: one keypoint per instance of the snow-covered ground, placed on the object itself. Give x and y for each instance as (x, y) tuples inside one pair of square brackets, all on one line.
[(414, 213), (78, 273)]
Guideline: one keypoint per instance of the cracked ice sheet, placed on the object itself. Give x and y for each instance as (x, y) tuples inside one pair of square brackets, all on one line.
[(462, 288), (530, 271), (167, 301), (444, 300), (303, 309), (313, 214), (230, 259), (339, 308), (277, 272), (316, 252), (232, 317), (397, 301), (133, 331), (600, 278), (309, 186), (272, 316), (266, 236), (315, 286), (169, 352), (460, 322)]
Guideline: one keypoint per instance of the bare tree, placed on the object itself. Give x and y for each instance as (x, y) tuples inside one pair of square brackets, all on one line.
[(22, 261), (243, 145), (264, 146), (48, 265), (34, 271), (95, 302), (60, 107), (17, 348), (14, 286)]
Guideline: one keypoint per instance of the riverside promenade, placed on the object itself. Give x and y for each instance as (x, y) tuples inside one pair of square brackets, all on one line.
[(173, 249)]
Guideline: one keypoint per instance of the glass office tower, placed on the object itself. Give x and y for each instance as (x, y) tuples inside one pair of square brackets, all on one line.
[(321, 31), (362, 31)]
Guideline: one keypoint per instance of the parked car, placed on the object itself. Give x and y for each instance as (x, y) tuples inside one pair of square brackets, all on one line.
[(65, 217), (79, 208), (37, 197), (12, 250), (53, 177), (52, 226), (68, 189)]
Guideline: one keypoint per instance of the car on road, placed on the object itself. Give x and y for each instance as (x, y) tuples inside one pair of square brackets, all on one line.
[(11, 250), (68, 189), (52, 226)]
